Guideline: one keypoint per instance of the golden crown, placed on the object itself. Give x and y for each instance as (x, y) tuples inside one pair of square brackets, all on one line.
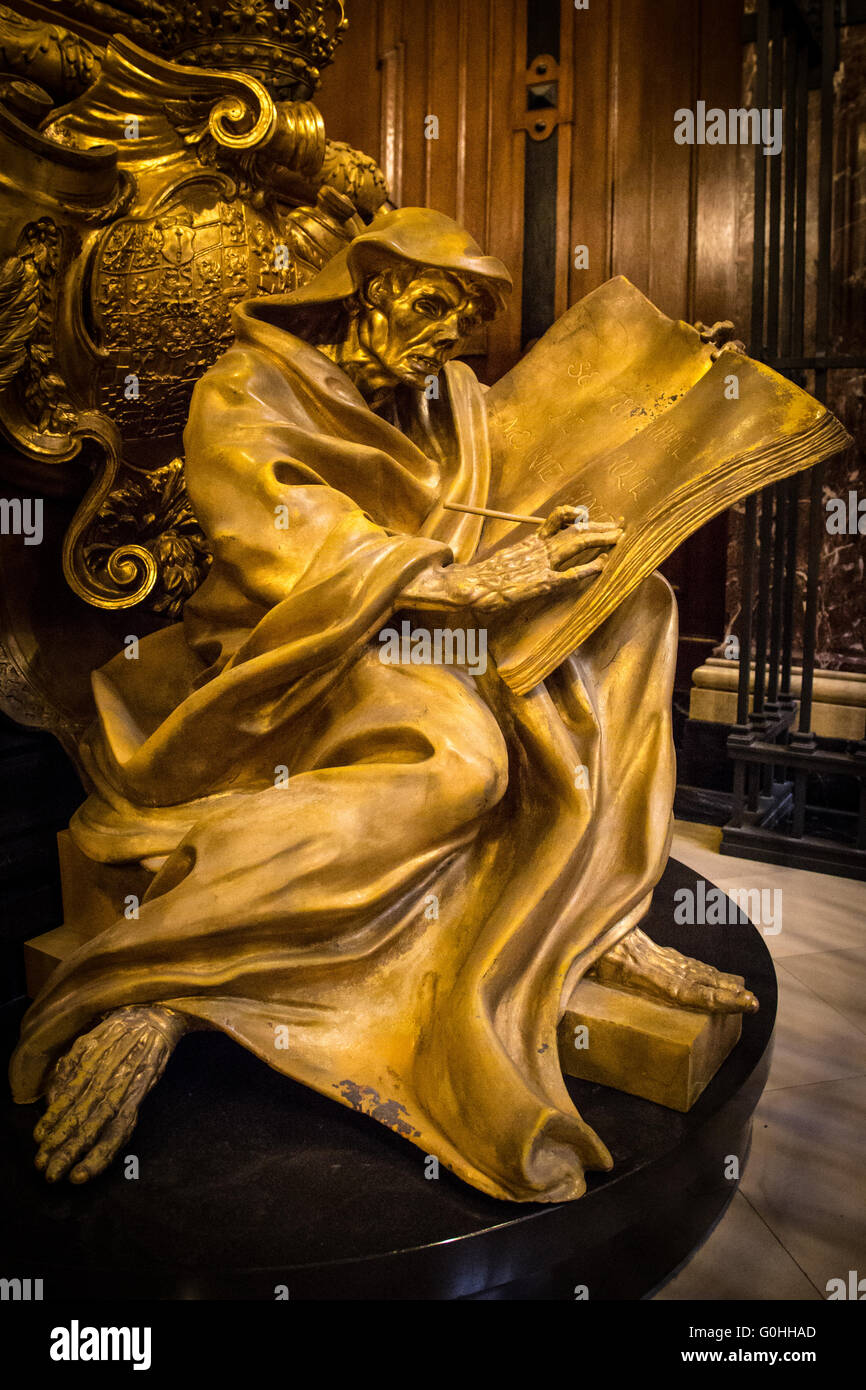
[(284, 43)]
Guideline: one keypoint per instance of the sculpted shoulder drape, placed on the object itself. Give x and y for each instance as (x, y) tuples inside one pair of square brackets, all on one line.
[(309, 904)]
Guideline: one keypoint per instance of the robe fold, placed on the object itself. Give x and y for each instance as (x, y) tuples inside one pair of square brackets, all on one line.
[(382, 879)]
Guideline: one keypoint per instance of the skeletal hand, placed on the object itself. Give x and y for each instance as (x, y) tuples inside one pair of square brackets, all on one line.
[(720, 337), (97, 1086), (530, 569)]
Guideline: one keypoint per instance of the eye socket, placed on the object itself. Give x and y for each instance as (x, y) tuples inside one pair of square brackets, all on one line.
[(430, 306)]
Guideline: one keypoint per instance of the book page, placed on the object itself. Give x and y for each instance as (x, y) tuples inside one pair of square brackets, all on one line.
[(661, 461), (610, 367)]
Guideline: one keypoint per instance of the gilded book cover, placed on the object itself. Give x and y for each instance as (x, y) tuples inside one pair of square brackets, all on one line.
[(624, 411)]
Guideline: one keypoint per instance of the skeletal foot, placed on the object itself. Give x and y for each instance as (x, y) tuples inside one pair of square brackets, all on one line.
[(636, 963), (97, 1086)]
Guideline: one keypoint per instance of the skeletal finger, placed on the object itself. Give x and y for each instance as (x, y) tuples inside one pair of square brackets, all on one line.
[(568, 544), (74, 1134), (563, 515), (700, 973), (66, 1112), (58, 1160), (78, 1133), (112, 1138), (603, 533), (119, 1124), (722, 999), (93, 1063), (132, 1090), (72, 1070), (578, 572)]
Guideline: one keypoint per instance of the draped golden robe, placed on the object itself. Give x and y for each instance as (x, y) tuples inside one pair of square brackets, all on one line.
[(397, 922)]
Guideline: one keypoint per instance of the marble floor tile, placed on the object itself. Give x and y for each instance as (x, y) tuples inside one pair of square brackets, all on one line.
[(799, 1218), (740, 1259), (813, 1042), (838, 977), (806, 1175)]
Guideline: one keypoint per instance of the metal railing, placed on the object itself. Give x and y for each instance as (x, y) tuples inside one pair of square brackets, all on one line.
[(779, 764)]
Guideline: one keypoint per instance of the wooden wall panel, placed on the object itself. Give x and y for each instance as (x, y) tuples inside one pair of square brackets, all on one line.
[(671, 84), (716, 173), (414, 35), (350, 95), (446, 86), (663, 214), (595, 119), (631, 168), (502, 232)]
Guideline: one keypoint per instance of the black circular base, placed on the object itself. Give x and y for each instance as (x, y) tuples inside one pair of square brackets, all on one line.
[(248, 1182)]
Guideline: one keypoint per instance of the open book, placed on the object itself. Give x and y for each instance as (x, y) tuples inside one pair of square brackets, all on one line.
[(621, 410)]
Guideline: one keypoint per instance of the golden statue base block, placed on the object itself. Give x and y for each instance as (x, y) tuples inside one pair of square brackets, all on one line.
[(620, 1039), (643, 1046)]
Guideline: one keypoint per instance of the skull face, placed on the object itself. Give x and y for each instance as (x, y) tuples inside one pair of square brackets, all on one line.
[(413, 324)]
